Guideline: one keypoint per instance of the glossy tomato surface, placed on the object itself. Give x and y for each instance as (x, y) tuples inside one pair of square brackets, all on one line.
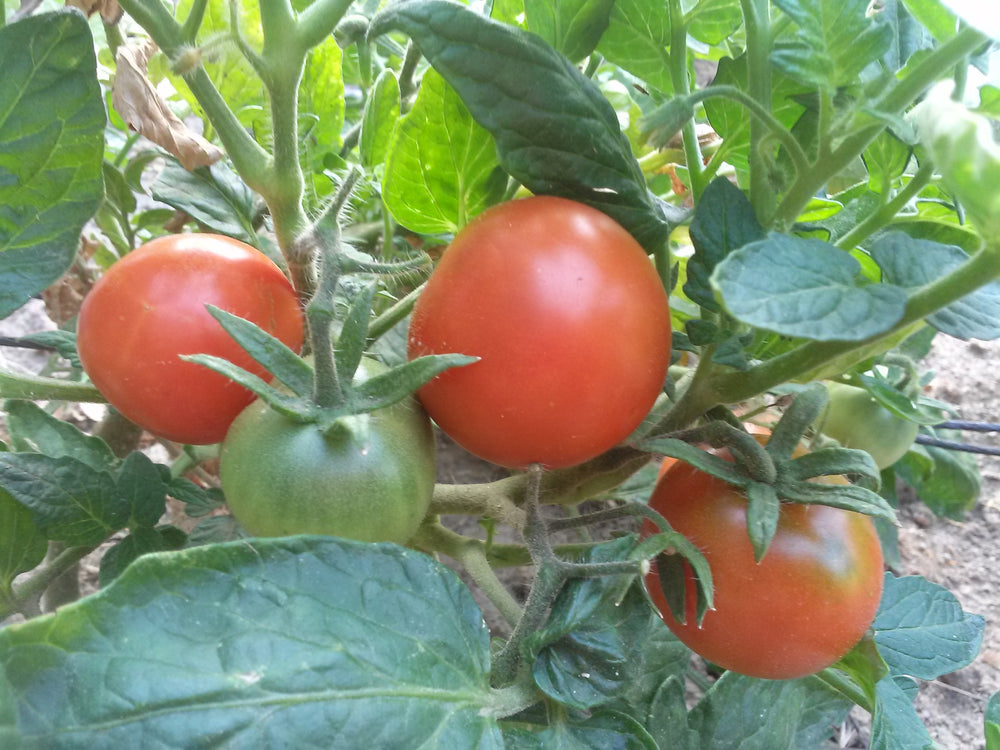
[(571, 325), (149, 308), (856, 420), (370, 479), (805, 605)]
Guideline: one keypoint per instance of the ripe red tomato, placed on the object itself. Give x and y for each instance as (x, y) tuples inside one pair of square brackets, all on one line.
[(805, 605), (570, 322), (149, 307)]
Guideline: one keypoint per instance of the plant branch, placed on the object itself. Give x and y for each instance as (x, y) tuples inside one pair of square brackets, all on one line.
[(38, 580), (39, 388), (682, 88), (472, 555), (977, 271), (318, 21), (756, 21), (900, 96), (888, 210), (249, 159)]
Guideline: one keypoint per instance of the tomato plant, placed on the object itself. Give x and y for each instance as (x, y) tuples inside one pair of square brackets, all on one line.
[(148, 309), (800, 609), (765, 199), (856, 420), (571, 325), (369, 477)]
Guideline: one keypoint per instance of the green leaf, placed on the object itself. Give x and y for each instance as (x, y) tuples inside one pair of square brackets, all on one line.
[(835, 40), (279, 642), (353, 338), (571, 26), (321, 96), (724, 221), (667, 718), (22, 545), (603, 729), (947, 481), (34, 429), (805, 288), (895, 722), (141, 485), (650, 693), (934, 16), (885, 159), (273, 354), (637, 39), (912, 263), (69, 501), (63, 342), (214, 196), (379, 119), (141, 541), (713, 21), (51, 150), (591, 647), (730, 119), (992, 720), (441, 168), (198, 501), (554, 130), (753, 714), (921, 630)]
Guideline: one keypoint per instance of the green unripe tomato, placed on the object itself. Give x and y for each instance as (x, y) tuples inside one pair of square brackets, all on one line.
[(856, 420), (370, 478)]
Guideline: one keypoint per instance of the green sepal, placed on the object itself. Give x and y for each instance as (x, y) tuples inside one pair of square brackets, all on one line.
[(700, 459), (672, 550), (803, 412), (833, 461), (763, 510), (277, 358), (396, 384), (353, 336), (300, 409), (844, 496)]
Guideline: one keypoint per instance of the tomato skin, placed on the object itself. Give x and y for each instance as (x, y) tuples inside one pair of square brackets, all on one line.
[(149, 307), (856, 420), (371, 480), (570, 322), (803, 607)]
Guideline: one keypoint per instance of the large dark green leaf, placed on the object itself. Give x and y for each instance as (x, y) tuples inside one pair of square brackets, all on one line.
[(723, 222), (554, 130), (214, 196), (805, 288), (912, 263), (268, 643), (754, 714), (51, 148), (637, 39)]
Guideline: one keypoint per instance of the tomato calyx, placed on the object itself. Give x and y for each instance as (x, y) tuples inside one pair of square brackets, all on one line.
[(770, 474)]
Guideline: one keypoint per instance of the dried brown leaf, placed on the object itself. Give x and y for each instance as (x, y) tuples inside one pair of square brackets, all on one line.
[(110, 11), (146, 112)]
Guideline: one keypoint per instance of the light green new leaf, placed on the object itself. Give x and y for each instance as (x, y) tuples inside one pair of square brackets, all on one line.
[(22, 545), (51, 149), (835, 40), (637, 39), (442, 167), (379, 119)]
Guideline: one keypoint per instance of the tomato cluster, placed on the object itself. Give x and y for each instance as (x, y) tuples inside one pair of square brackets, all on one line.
[(800, 609), (571, 325), (148, 309)]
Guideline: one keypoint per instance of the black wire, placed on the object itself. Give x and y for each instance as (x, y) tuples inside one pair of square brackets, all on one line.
[(961, 424), (956, 446)]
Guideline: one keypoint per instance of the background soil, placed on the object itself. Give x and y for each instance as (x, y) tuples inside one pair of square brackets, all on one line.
[(962, 556)]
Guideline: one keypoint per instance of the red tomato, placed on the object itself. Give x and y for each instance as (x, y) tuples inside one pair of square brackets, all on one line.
[(150, 307), (571, 325), (805, 605)]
